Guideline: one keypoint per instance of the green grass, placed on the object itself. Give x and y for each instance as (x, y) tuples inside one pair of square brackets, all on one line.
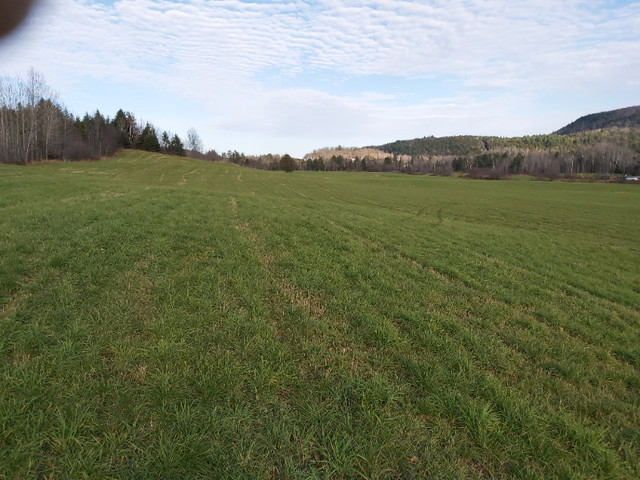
[(171, 318)]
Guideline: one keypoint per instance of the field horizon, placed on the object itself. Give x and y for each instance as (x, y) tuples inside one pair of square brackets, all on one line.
[(164, 317)]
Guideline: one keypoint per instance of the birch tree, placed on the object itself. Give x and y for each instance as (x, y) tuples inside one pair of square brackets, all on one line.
[(194, 142)]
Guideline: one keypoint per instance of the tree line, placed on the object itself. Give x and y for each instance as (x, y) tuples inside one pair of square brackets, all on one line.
[(607, 151), (467, 145), (267, 161), (35, 126), (493, 161)]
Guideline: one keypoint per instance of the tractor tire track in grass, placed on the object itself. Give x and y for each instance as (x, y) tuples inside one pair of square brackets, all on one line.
[(303, 301), (305, 322), (474, 341), (598, 335), (582, 337), (311, 305), (455, 411), (399, 341)]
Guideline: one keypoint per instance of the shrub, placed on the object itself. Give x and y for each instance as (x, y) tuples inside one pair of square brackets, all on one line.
[(287, 163)]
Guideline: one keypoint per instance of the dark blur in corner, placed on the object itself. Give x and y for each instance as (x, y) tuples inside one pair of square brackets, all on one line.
[(12, 14)]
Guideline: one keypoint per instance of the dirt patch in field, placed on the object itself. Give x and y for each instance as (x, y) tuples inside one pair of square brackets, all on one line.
[(13, 304)]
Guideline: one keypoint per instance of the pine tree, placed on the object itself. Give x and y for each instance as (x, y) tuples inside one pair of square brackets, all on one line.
[(287, 163), (165, 142), (176, 147), (148, 140)]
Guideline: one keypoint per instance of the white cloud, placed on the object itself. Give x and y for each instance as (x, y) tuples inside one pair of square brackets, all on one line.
[(224, 54)]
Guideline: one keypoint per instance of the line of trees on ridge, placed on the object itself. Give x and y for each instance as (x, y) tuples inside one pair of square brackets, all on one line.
[(611, 151), (608, 151), (35, 126)]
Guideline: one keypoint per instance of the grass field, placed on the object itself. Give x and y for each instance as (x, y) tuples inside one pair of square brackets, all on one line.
[(172, 318)]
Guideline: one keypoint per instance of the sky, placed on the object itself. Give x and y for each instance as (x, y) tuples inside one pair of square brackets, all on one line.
[(291, 76)]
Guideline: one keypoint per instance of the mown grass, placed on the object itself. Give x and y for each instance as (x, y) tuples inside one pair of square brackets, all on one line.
[(171, 318)]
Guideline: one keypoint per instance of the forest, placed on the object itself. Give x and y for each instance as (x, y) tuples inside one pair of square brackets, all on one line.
[(610, 150), (35, 126)]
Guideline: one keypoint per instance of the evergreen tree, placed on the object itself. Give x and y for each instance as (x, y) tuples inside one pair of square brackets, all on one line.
[(176, 147), (125, 125), (287, 163), (165, 142), (148, 139)]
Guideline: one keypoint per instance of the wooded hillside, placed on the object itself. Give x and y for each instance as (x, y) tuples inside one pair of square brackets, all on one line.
[(612, 150), (35, 126), (624, 118)]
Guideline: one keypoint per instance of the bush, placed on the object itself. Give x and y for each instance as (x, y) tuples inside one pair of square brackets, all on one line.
[(288, 164)]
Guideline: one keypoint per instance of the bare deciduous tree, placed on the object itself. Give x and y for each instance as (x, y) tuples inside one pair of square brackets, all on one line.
[(193, 141), (21, 118)]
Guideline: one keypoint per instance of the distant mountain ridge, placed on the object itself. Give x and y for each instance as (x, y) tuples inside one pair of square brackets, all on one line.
[(620, 127), (606, 143), (623, 118)]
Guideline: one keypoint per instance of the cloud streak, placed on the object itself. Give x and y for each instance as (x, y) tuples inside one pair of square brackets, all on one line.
[(283, 62)]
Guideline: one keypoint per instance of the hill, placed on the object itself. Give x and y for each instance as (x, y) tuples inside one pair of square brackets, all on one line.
[(164, 317), (453, 145), (604, 143), (622, 118), (475, 145)]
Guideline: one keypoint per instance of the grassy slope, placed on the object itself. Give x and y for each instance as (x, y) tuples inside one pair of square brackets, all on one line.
[(164, 317)]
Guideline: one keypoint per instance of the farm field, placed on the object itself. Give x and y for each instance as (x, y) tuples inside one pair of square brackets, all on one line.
[(162, 317)]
